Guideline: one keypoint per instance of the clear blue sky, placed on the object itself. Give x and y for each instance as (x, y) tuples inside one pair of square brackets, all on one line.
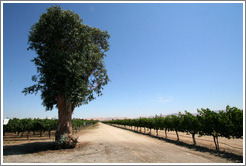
[(163, 58)]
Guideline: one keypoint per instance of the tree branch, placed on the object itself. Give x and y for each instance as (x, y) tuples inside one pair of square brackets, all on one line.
[(94, 87), (90, 73)]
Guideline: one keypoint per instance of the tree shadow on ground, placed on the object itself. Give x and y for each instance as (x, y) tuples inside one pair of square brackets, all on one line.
[(28, 148), (24, 140), (223, 154), (36, 147)]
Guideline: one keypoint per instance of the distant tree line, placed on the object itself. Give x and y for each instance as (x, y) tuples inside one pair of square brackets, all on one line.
[(28, 125), (228, 123)]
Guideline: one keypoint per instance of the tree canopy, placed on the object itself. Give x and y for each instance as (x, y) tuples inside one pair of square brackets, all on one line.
[(69, 58)]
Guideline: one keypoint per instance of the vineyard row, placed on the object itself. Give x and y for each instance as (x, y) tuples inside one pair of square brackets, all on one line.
[(228, 123), (28, 125)]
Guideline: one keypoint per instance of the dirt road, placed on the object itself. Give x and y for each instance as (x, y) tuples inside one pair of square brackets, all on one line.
[(108, 144)]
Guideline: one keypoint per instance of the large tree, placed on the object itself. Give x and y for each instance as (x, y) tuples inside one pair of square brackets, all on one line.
[(70, 66)]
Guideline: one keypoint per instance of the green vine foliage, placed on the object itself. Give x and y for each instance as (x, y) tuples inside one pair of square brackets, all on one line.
[(228, 123), (28, 124)]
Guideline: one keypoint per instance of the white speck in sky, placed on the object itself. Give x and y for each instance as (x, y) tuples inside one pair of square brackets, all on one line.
[(92, 8), (165, 100)]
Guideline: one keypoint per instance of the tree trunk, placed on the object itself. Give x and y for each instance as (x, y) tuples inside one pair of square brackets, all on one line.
[(177, 135), (217, 138), (216, 142), (27, 135), (166, 133), (63, 134), (157, 132), (194, 139)]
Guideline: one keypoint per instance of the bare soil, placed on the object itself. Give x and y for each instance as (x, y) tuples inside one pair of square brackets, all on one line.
[(234, 146), (102, 143)]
